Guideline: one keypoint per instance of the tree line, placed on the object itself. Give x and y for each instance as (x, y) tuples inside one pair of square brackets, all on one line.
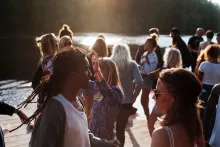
[(33, 18)]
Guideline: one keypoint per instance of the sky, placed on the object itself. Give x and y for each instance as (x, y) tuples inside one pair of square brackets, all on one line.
[(216, 1)]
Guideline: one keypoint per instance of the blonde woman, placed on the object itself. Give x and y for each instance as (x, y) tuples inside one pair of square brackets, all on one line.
[(128, 72), (172, 59), (64, 41), (48, 47), (107, 93)]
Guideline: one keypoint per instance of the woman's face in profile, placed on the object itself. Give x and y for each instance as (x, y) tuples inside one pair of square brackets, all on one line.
[(164, 100)]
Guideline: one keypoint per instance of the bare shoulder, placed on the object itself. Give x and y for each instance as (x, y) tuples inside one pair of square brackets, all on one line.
[(160, 138)]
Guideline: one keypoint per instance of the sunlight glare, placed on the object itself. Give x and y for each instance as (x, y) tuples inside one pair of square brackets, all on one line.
[(89, 41)]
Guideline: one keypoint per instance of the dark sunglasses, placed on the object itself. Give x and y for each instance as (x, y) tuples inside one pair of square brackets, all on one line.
[(157, 94)]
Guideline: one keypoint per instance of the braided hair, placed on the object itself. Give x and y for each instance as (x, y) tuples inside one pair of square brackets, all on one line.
[(64, 62)]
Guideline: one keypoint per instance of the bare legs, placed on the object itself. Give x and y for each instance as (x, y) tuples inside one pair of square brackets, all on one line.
[(145, 101)]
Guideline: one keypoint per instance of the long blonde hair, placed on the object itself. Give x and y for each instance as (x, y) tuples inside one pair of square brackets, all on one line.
[(172, 58), (47, 44), (110, 72), (64, 42), (121, 55)]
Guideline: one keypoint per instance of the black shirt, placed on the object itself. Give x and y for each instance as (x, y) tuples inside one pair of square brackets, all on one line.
[(6, 109), (194, 42), (186, 55)]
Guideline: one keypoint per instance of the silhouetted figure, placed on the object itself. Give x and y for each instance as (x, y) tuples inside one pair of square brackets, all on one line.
[(213, 107), (177, 42), (193, 46), (65, 30)]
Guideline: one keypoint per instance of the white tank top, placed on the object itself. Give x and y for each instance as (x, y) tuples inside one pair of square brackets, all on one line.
[(76, 129)]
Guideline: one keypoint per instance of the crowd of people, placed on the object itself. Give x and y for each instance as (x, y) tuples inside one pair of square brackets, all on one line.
[(84, 99)]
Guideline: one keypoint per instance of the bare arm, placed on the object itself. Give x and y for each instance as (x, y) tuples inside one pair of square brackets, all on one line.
[(138, 81), (200, 76), (160, 138)]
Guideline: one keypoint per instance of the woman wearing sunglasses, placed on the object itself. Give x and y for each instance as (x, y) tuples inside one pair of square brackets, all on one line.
[(176, 97)]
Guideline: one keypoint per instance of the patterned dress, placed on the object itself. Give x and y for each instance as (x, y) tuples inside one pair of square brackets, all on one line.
[(107, 101)]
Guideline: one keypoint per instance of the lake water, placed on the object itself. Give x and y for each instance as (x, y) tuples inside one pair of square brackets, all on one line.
[(89, 38)]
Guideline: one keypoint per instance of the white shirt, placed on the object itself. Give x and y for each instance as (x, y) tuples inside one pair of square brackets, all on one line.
[(204, 44), (211, 73), (145, 67), (215, 138), (76, 130)]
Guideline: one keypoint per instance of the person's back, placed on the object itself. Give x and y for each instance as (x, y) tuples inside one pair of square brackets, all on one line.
[(204, 44), (211, 72), (127, 75), (186, 56)]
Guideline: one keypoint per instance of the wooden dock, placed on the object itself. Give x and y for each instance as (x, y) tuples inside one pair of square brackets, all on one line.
[(137, 134)]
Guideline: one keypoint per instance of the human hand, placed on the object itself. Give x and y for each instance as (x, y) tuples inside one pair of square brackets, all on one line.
[(95, 61), (21, 115), (91, 53)]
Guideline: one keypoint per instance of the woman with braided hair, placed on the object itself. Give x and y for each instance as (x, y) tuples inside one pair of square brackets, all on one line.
[(107, 94), (62, 121)]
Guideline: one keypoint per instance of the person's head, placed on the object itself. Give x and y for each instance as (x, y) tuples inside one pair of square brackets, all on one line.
[(71, 66), (65, 31), (154, 30), (200, 32), (218, 38), (121, 55), (47, 44), (212, 52), (177, 97), (172, 58), (109, 71), (209, 34), (174, 33), (100, 48), (64, 41), (101, 36), (151, 43), (70, 70)]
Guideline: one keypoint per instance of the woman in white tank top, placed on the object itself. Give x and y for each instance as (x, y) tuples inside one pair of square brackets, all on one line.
[(176, 97)]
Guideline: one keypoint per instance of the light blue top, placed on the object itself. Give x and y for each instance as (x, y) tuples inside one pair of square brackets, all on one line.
[(127, 76)]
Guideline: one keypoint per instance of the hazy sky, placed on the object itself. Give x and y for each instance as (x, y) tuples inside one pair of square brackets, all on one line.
[(216, 1)]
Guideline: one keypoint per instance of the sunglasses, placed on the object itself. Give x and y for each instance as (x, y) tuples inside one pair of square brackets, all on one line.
[(158, 94)]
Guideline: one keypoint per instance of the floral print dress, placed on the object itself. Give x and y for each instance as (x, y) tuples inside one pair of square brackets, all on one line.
[(107, 101)]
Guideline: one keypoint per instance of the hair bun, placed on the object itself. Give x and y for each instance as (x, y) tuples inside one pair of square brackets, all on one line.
[(65, 27), (154, 36)]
